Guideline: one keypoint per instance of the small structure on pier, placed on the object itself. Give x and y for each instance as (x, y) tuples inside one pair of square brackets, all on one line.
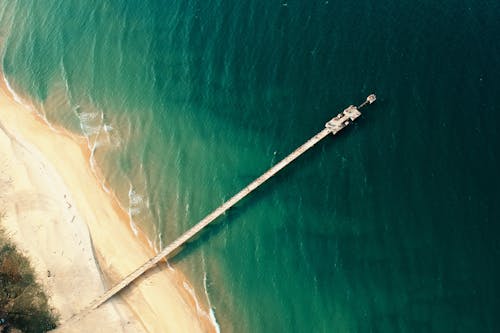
[(344, 118), (369, 100)]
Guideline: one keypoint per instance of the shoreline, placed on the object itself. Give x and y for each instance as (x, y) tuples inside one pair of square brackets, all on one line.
[(160, 300)]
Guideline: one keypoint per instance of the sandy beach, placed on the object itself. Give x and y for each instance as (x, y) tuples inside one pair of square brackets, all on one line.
[(77, 235)]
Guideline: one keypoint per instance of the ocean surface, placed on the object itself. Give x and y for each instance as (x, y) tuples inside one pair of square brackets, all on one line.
[(393, 226)]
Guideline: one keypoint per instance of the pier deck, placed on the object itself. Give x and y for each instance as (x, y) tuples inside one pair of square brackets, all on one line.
[(333, 126)]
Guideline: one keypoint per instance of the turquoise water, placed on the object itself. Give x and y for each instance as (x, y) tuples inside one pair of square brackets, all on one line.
[(390, 227)]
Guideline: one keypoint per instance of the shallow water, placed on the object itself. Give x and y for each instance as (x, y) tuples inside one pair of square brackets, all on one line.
[(392, 226)]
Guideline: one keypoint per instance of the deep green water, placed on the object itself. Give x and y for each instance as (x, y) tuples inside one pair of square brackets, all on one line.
[(391, 227)]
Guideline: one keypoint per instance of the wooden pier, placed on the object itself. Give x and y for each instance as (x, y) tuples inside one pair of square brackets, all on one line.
[(336, 124)]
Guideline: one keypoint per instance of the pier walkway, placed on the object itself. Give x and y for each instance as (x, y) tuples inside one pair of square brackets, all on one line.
[(336, 124)]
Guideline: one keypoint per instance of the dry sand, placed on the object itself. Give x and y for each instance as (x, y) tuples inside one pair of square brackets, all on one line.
[(77, 235)]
